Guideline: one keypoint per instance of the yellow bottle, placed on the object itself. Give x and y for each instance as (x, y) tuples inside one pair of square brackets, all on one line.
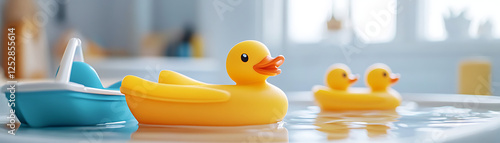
[(475, 77)]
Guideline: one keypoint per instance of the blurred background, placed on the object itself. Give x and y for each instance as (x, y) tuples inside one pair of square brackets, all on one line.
[(445, 46)]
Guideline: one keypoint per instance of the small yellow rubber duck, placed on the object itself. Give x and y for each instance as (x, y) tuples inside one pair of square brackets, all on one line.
[(339, 96), (180, 100), (340, 77)]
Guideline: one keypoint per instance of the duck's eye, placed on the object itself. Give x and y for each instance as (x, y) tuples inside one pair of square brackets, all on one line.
[(344, 75), (244, 57), (384, 74)]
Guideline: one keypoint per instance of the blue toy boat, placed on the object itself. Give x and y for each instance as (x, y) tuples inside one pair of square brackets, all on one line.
[(75, 98)]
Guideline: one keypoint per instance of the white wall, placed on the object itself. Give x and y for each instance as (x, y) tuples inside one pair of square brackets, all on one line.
[(222, 33), (114, 23), (173, 13)]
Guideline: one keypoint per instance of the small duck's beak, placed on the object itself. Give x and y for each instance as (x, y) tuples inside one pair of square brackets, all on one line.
[(394, 78), (353, 78), (269, 66)]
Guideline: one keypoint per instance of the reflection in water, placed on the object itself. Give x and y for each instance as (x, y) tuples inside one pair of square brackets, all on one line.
[(151, 133), (409, 122), (99, 133), (337, 125), (304, 123), (257, 133)]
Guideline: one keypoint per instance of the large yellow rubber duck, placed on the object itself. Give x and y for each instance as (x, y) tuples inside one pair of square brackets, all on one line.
[(180, 100), (339, 96)]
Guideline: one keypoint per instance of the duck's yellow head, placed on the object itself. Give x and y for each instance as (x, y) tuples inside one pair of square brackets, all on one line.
[(379, 77), (250, 62), (339, 77)]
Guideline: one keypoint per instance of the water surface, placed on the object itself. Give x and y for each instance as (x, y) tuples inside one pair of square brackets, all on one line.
[(304, 122)]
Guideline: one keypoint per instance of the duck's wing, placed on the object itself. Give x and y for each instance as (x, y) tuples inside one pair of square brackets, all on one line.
[(171, 77), (135, 86)]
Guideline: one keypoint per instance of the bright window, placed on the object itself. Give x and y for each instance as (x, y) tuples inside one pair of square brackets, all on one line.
[(477, 12), (372, 20), (307, 19)]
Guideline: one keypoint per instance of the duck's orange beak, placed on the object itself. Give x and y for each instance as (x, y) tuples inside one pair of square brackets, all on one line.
[(269, 66), (394, 78), (353, 78)]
